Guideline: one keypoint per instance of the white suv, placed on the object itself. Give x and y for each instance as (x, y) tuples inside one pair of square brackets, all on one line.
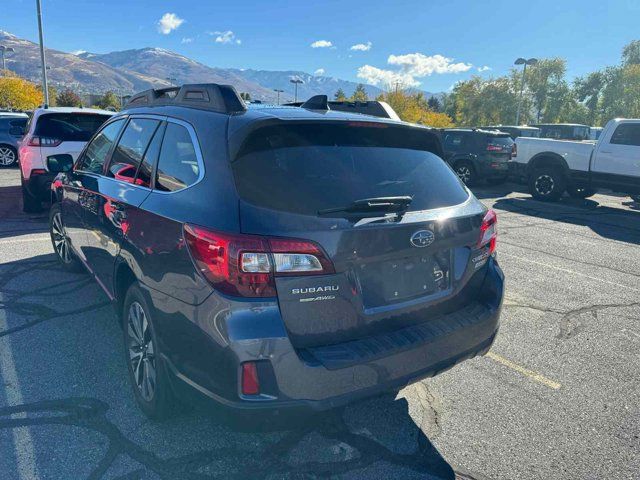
[(52, 131)]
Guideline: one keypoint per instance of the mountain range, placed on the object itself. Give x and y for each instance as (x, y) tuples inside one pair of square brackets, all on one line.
[(129, 71)]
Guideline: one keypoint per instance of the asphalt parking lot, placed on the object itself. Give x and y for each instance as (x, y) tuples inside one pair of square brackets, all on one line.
[(557, 397)]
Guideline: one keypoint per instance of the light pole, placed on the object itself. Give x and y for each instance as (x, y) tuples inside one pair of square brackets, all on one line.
[(171, 80), (525, 62), (3, 50), (296, 81), (45, 85), (278, 91)]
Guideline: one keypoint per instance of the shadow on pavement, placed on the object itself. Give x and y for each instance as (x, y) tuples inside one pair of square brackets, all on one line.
[(62, 336)]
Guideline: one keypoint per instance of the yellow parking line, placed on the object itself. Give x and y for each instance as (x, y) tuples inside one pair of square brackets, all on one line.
[(524, 371)]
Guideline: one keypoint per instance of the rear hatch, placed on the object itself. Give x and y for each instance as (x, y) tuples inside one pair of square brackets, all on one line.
[(66, 132), (498, 150), (382, 266)]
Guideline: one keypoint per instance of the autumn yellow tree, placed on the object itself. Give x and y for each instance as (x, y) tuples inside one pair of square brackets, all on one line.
[(17, 93), (414, 108)]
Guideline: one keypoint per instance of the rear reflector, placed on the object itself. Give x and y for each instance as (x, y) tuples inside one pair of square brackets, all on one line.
[(250, 382), (489, 231), (38, 171), (245, 265)]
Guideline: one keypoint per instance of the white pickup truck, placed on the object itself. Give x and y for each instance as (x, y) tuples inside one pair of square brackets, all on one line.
[(551, 167)]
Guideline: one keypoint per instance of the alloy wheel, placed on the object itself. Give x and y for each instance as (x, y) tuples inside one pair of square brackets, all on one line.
[(7, 156), (544, 184), (464, 173), (60, 239), (141, 351)]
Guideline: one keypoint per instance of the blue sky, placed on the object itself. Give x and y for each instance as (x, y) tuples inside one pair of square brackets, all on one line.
[(430, 44)]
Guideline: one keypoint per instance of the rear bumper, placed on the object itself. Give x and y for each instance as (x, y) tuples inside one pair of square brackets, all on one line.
[(493, 169), (39, 186), (328, 377)]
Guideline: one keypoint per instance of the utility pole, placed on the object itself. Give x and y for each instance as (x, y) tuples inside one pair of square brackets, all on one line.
[(45, 85), (525, 62), (278, 91)]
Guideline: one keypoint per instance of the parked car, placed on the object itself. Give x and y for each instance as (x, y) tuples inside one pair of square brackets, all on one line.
[(550, 167), (374, 108), (476, 154), (515, 131), (52, 131), (273, 257), (563, 131), (11, 131)]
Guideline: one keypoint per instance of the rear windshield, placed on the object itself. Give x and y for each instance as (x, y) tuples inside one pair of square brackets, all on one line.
[(69, 127), (504, 142), (306, 168)]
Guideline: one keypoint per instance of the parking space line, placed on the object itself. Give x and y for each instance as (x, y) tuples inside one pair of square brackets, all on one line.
[(22, 441), (567, 270), (24, 240), (538, 377)]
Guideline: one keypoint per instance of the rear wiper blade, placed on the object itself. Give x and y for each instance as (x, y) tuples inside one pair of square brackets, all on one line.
[(377, 204)]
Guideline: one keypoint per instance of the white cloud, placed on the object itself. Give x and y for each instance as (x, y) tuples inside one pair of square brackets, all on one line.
[(484, 68), (362, 47), (319, 72), (187, 40), (379, 76), (168, 23), (410, 68), (225, 37), (321, 44)]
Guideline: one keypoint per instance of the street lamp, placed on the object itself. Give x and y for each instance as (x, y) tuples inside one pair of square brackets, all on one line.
[(3, 50), (525, 62), (171, 80), (45, 85), (296, 81), (278, 91)]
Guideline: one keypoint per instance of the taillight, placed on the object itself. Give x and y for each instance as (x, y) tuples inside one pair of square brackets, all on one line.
[(38, 171), (36, 141), (250, 381), (245, 265), (489, 231), (514, 150)]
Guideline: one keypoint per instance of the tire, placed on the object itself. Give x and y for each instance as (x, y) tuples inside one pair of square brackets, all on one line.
[(60, 241), (8, 156), (148, 373), (496, 180), (581, 192), (547, 184), (30, 204), (466, 172)]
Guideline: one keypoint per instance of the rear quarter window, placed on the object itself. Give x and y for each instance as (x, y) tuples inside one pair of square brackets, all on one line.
[(307, 168)]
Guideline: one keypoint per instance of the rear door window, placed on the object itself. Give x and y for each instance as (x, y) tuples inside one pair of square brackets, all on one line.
[(130, 150), (307, 168), (627, 134), (96, 152), (69, 127), (178, 165)]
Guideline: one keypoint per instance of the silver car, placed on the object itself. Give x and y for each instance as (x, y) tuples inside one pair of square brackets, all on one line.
[(11, 131)]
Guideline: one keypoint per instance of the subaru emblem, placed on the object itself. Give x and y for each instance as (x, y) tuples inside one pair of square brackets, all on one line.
[(422, 238)]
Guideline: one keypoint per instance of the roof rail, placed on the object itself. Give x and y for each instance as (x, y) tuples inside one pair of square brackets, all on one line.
[(205, 96)]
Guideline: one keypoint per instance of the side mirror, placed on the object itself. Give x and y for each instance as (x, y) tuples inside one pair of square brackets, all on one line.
[(62, 162), (16, 131)]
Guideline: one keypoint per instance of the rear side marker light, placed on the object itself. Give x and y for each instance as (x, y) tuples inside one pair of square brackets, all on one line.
[(246, 265), (489, 231), (250, 382)]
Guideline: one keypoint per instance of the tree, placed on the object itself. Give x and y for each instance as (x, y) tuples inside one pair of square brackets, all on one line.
[(246, 96), (19, 94), (359, 94), (340, 96), (589, 90), (68, 98), (109, 101), (545, 81), (414, 108), (434, 104), (631, 53)]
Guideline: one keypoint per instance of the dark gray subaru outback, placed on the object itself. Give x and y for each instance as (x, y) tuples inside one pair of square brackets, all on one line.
[(276, 257)]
